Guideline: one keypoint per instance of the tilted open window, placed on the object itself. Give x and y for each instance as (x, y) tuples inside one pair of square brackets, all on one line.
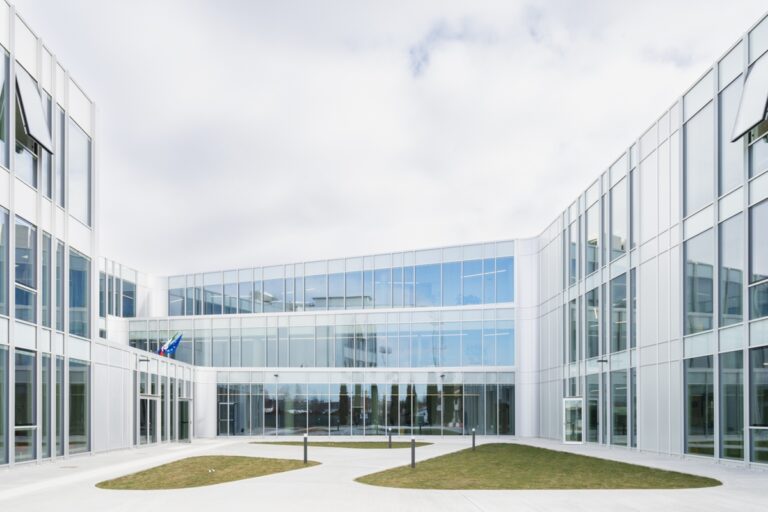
[(32, 113), (754, 99)]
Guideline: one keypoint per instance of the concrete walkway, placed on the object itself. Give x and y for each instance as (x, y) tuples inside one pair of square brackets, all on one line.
[(68, 485)]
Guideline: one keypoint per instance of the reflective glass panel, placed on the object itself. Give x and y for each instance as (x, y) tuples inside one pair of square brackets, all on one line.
[(699, 266)]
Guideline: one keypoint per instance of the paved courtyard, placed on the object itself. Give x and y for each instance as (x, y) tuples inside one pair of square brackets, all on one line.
[(69, 485)]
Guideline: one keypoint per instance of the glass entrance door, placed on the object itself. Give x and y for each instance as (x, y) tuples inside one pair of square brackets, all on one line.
[(148, 423), (572, 418), (184, 421)]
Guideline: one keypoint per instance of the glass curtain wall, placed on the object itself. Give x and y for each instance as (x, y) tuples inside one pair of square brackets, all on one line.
[(79, 406), (699, 406), (25, 400)]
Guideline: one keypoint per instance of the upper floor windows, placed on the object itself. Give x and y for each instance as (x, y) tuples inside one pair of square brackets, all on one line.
[(619, 217), (26, 270), (699, 160), (79, 170)]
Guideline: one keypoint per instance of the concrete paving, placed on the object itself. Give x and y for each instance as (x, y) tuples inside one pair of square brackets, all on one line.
[(68, 485)]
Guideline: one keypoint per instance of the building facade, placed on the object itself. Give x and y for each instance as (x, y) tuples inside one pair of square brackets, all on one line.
[(638, 318)]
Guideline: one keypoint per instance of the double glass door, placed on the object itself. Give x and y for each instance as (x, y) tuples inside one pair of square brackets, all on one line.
[(148, 420)]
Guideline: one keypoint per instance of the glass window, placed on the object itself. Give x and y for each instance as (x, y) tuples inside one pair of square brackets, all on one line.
[(472, 344), (472, 282), (450, 345), (758, 403), (593, 323), (3, 404), (59, 406), (573, 332), (336, 291), (731, 155), (732, 405), (489, 281), (368, 289), (758, 299), (758, 156), (302, 349), (3, 261), (752, 108), (33, 121), (46, 280), (46, 162), (427, 285), (573, 251), (425, 345), (632, 308), (213, 293), (129, 299), (699, 160), (79, 294), (354, 290), (45, 383), (25, 405), (4, 99), (699, 406), (505, 279), (619, 219), (245, 292), (231, 293), (758, 242), (592, 241), (699, 265), (382, 283), (489, 343), (26, 270), (505, 343), (315, 292), (79, 154), (59, 285), (79, 418), (731, 270), (25, 159), (452, 284), (60, 157), (619, 407), (619, 313), (634, 221)]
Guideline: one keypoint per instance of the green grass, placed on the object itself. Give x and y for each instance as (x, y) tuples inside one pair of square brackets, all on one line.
[(196, 472), (366, 445), (514, 466)]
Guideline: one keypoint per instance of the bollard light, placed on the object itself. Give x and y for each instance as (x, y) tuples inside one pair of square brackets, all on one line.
[(413, 452), (473, 439), (306, 441), (390, 437)]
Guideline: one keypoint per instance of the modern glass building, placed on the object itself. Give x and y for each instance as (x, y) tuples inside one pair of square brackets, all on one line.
[(638, 318)]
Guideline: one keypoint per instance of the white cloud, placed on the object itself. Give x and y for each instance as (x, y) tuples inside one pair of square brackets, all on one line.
[(251, 133)]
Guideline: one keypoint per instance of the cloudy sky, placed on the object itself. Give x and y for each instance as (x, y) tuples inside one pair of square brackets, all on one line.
[(245, 133)]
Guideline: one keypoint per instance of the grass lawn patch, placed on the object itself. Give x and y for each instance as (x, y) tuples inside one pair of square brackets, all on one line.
[(200, 471), (515, 466), (365, 445)]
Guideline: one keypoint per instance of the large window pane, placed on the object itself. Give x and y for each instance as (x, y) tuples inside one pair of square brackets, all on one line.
[(593, 407), (382, 288), (619, 313), (619, 407), (731, 270), (354, 290), (758, 403), (505, 279), (505, 343), (699, 265), (593, 323), (59, 286), (758, 242), (472, 344), (3, 261), (573, 252), (4, 99), (592, 239), (45, 395), (79, 173), (732, 405), (699, 155), (758, 156), (26, 270), (60, 157), (472, 282), (315, 292), (79, 294), (302, 349), (274, 295), (3, 404), (213, 293), (427, 285), (79, 417), (46, 280), (452, 284), (450, 345), (25, 394), (619, 219), (699, 406), (336, 291), (731, 161)]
